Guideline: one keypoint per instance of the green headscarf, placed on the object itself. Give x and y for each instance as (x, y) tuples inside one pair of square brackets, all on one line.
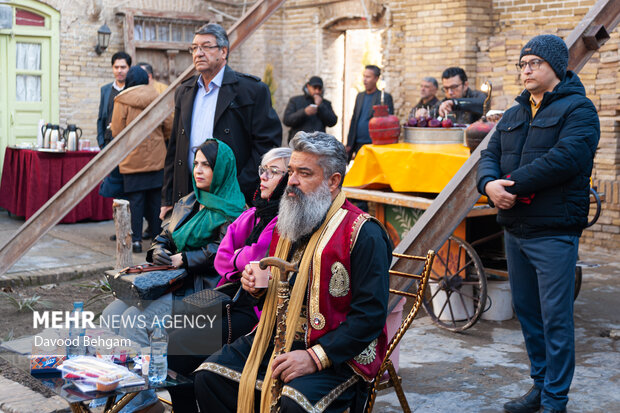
[(223, 203)]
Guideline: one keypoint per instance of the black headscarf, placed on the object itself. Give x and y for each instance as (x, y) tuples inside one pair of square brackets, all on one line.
[(136, 76), (266, 209)]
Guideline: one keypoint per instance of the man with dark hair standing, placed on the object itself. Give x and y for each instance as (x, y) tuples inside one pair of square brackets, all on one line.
[(159, 87), (309, 112), (465, 103), (363, 111), (218, 103), (121, 62), (536, 171)]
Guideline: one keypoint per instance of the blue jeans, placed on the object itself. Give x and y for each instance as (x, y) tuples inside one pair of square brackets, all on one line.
[(542, 279)]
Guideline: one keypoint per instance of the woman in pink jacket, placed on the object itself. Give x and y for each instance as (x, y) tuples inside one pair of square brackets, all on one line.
[(247, 239)]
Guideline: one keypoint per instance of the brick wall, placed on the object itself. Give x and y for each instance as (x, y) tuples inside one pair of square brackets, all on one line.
[(420, 38), (82, 71)]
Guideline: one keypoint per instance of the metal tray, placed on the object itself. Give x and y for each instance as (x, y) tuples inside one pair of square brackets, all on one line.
[(434, 135)]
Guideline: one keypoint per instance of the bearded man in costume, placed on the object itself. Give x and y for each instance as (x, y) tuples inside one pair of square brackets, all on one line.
[(335, 325)]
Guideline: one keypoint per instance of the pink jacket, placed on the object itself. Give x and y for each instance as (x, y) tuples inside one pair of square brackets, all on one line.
[(233, 255)]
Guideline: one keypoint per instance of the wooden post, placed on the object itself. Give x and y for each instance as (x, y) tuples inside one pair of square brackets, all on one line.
[(122, 224)]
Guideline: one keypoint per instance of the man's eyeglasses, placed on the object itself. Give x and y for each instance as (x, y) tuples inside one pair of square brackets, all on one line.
[(534, 64), (269, 171), (451, 88), (194, 48)]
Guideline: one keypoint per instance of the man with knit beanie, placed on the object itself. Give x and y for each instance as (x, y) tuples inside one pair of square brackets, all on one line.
[(536, 171)]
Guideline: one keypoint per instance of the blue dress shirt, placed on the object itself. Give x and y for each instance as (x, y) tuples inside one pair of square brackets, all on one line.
[(203, 114)]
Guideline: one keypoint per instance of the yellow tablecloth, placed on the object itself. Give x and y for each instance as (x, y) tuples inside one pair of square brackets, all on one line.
[(406, 167)]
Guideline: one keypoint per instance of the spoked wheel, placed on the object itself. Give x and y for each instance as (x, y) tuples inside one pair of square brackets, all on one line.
[(457, 290)]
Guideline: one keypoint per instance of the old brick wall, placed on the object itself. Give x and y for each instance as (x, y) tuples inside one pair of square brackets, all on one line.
[(420, 38), (516, 22), (82, 71)]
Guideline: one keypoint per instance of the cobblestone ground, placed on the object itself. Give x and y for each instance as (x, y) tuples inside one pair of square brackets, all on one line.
[(482, 368)]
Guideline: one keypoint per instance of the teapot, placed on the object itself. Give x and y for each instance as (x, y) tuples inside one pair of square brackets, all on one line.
[(46, 131), (72, 137), (51, 134)]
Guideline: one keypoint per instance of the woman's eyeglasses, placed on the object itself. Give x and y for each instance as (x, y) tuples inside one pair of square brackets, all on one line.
[(269, 171)]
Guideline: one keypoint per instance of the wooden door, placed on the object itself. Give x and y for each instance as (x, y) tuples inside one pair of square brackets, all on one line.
[(167, 64), (29, 87), (4, 104)]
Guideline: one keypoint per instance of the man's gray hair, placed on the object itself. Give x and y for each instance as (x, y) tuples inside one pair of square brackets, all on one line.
[(432, 80), (277, 153), (331, 152), (214, 29)]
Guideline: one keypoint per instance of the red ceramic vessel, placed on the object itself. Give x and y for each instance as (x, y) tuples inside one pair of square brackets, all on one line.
[(383, 127)]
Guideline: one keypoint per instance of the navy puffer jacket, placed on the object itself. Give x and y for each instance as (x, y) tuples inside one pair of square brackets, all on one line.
[(550, 156)]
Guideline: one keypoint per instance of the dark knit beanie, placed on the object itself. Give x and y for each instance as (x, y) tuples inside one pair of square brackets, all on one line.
[(552, 49)]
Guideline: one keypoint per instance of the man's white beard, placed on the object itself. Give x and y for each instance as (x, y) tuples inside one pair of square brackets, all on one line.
[(301, 214)]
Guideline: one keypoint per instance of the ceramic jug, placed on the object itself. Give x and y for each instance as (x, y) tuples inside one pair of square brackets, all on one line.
[(383, 128)]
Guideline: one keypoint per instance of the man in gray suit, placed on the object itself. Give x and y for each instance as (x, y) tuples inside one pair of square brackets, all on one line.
[(121, 62), (363, 111)]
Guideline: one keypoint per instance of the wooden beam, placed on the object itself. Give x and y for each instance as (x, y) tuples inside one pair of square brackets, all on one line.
[(101, 165), (454, 202)]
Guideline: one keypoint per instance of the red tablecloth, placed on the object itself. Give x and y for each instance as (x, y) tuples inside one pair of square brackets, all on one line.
[(30, 178)]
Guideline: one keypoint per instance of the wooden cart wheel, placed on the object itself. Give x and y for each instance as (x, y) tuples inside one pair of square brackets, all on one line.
[(457, 274), (578, 277)]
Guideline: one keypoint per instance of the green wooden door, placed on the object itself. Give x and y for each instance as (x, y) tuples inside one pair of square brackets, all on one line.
[(29, 64), (29, 91), (4, 104)]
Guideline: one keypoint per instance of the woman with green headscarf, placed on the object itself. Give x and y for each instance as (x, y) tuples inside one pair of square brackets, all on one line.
[(189, 239), (191, 235)]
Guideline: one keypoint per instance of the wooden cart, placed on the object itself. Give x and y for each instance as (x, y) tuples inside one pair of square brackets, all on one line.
[(474, 253)]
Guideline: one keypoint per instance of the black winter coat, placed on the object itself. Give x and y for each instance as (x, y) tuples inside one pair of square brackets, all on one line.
[(549, 157), (198, 263), (244, 120), (296, 118)]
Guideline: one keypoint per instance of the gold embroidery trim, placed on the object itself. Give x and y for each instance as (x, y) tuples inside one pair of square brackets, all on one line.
[(287, 391), (368, 355), (229, 373), (339, 284), (317, 320), (322, 355), (322, 404)]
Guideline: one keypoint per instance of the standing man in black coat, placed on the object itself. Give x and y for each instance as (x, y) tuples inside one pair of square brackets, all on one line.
[(536, 171), (309, 112), (363, 111), (218, 103)]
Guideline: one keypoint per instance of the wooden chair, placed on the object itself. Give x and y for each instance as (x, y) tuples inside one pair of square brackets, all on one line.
[(393, 379)]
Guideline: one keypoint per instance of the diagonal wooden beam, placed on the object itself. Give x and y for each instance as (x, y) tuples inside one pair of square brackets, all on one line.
[(101, 165), (451, 206)]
